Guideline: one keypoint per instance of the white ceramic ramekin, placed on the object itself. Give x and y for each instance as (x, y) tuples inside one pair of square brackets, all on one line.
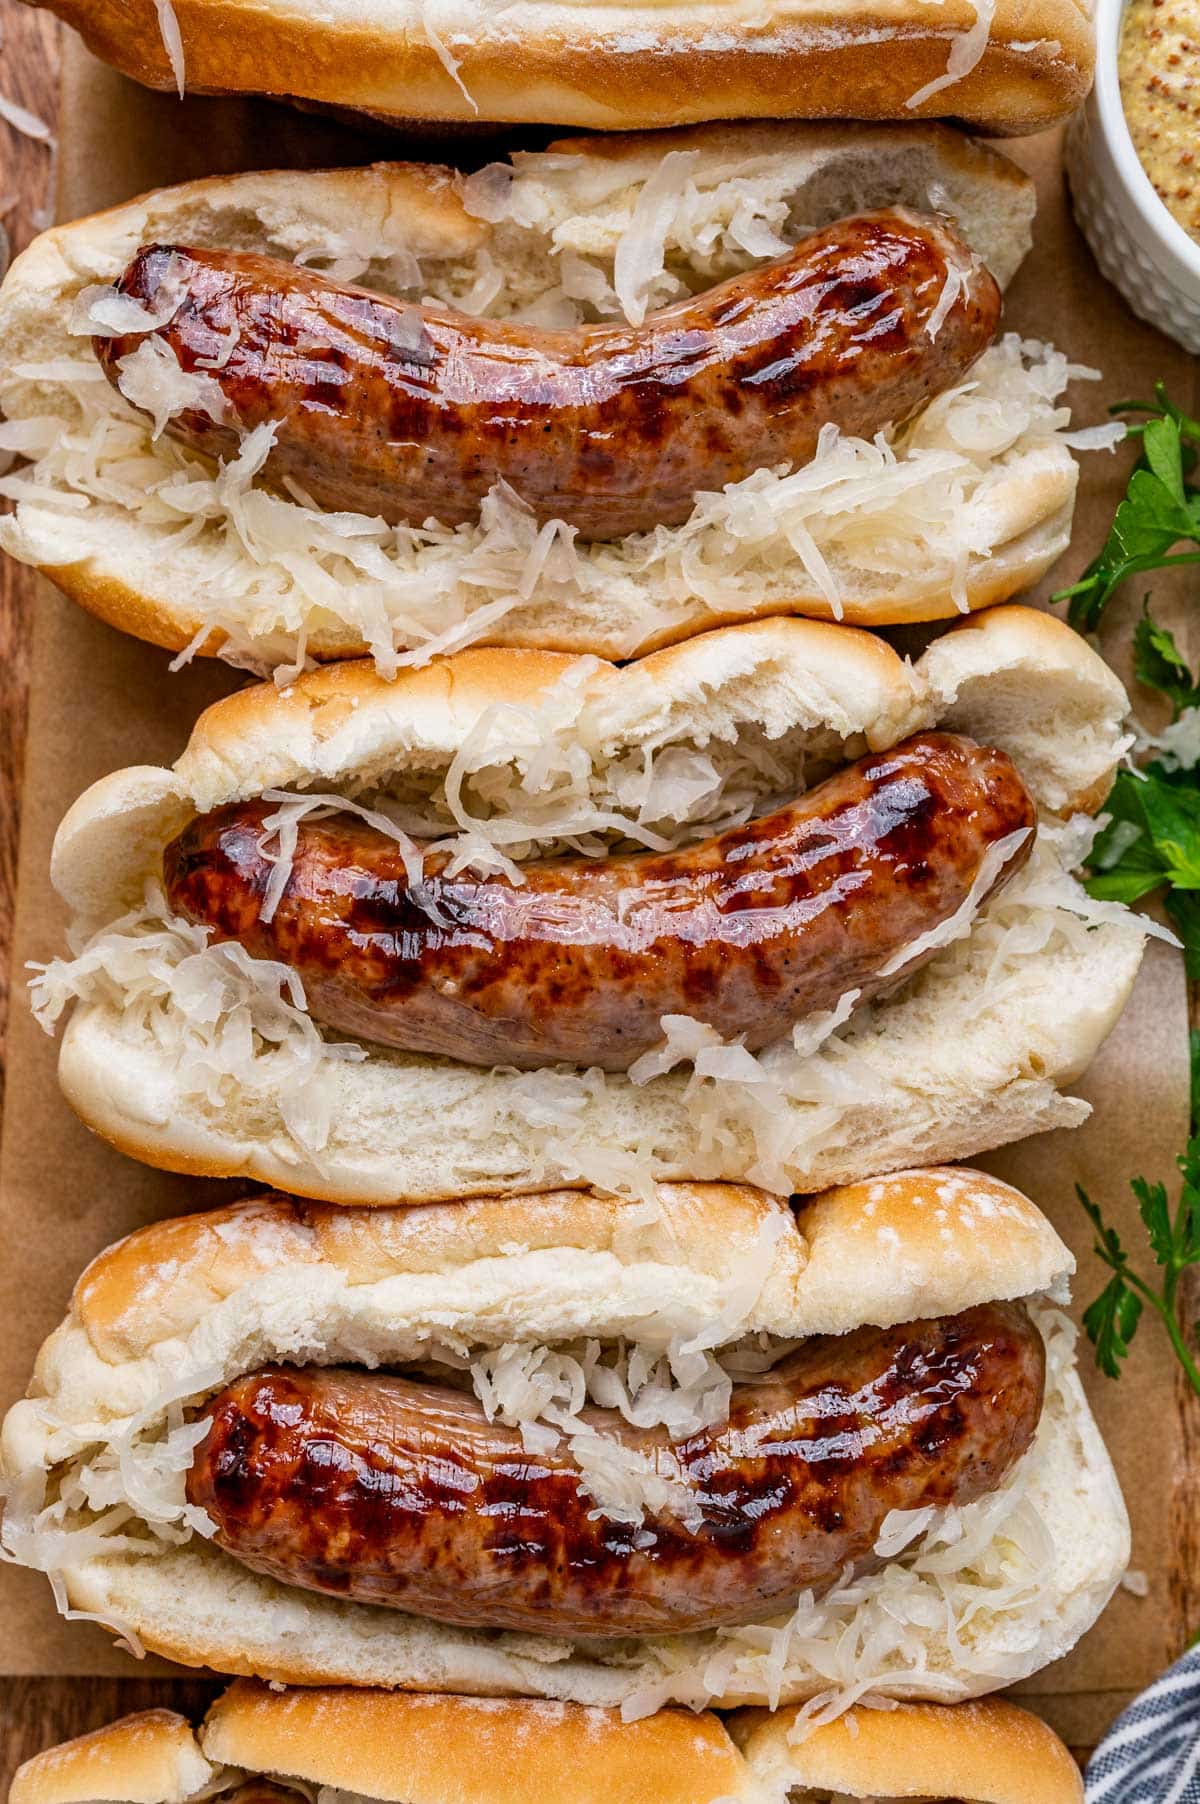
[(1141, 248)]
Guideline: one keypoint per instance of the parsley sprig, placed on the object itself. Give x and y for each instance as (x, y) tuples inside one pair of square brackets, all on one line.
[(1160, 511), (1151, 843), (1112, 1320)]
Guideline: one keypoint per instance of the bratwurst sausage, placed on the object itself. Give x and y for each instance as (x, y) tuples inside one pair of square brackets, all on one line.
[(411, 412), (750, 932), (399, 1493)]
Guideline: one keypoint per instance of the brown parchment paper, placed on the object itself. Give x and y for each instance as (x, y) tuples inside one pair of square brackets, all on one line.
[(100, 700)]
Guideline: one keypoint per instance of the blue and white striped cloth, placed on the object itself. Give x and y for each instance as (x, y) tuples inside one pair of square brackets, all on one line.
[(1151, 1755)]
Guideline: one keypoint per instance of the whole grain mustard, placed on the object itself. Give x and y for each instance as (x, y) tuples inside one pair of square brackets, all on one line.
[(1159, 68)]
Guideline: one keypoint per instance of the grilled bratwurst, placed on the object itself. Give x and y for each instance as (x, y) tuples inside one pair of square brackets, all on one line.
[(416, 412), (750, 932), (394, 1492)]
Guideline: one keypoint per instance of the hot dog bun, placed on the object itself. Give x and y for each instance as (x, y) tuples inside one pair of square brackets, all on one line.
[(183, 1307), (976, 508), (592, 67), (450, 1750), (951, 1063)]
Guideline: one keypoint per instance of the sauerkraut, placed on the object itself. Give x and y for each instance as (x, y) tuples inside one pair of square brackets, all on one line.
[(966, 52), (540, 781), (233, 1023), (25, 122), (683, 1388), (151, 378), (172, 38)]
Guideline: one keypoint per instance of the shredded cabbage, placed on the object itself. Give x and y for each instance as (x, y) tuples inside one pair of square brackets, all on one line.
[(966, 52), (542, 1391), (960, 923), (283, 828), (982, 1563), (25, 122), (151, 379), (445, 55), (168, 25), (1177, 746), (792, 1098), (540, 780), (102, 311), (233, 1024), (641, 249), (956, 284)]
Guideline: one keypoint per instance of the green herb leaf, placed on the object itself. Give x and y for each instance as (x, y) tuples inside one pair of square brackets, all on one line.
[(1108, 1241), (1161, 447), (1111, 1323), (1159, 664), (1152, 840), (1172, 814), (1159, 512), (1152, 1207), (1124, 863), (1162, 407), (1112, 1320), (1186, 1229)]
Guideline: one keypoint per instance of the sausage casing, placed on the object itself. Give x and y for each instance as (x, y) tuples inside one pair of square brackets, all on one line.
[(392, 1492), (416, 412), (749, 932)]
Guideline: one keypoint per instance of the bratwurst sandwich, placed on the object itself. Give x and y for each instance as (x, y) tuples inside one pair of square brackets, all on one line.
[(696, 1448), (595, 400), (772, 904)]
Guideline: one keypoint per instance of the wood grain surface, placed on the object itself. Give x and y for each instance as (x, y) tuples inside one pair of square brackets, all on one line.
[(29, 77), (35, 1713)]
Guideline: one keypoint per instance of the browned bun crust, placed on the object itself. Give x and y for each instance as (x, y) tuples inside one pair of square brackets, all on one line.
[(578, 65), (421, 1748), (984, 1752), (148, 1758), (431, 1748)]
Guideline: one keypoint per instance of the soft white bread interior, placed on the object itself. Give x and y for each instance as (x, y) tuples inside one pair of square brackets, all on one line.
[(439, 1749), (970, 1053), (963, 508), (968, 1600), (1010, 67)]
